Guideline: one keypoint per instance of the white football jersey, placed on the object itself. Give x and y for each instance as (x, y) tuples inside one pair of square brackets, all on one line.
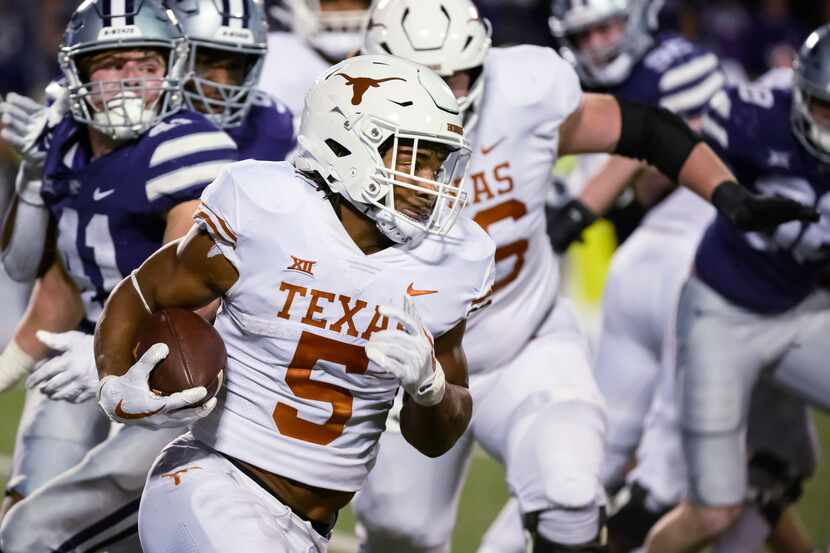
[(300, 398), (290, 68), (528, 92)]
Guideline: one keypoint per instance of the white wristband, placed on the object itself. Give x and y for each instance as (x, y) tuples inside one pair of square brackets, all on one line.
[(432, 391), (14, 364)]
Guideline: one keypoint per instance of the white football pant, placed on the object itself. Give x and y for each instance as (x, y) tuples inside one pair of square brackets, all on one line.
[(195, 500), (91, 506), (53, 436), (638, 305), (541, 416), (722, 351)]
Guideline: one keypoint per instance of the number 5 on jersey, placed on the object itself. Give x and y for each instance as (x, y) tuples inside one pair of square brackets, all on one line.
[(312, 348)]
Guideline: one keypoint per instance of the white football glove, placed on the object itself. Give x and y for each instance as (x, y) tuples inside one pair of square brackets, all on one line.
[(409, 354), (24, 121), (128, 399), (14, 364), (70, 374)]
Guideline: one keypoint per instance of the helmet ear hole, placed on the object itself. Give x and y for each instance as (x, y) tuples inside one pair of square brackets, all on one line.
[(337, 148)]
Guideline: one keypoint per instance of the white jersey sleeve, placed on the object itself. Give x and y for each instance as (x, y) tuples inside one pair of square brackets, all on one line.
[(560, 90), (473, 267), (217, 215)]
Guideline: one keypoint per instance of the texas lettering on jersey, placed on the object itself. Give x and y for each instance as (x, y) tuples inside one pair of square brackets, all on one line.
[(331, 311), (528, 92)]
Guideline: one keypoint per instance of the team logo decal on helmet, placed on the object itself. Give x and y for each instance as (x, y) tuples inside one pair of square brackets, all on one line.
[(363, 84)]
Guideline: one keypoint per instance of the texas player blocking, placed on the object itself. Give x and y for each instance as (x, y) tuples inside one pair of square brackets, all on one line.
[(538, 409), (312, 261)]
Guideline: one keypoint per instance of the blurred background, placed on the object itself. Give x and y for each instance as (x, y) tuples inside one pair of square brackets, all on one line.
[(754, 35), (750, 36)]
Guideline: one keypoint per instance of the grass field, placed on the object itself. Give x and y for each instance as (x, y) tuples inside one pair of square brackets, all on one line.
[(485, 492)]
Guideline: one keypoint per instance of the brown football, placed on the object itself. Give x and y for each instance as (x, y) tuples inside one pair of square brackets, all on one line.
[(197, 352)]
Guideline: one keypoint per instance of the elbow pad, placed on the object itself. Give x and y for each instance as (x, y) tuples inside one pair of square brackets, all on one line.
[(656, 136)]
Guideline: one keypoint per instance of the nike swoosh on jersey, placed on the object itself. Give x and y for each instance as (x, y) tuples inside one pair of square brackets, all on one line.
[(98, 195), (410, 291), (120, 413), (485, 150)]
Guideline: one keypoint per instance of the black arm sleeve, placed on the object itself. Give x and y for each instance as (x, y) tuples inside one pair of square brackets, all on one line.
[(656, 136)]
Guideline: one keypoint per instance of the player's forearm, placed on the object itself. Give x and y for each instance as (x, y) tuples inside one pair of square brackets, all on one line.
[(181, 274), (117, 330), (25, 230), (704, 171), (53, 289), (605, 186), (434, 430), (125, 312)]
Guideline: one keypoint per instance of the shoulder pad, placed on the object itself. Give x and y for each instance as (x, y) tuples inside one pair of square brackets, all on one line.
[(533, 77), (684, 75), (477, 243), (272, 186), (182, 154)]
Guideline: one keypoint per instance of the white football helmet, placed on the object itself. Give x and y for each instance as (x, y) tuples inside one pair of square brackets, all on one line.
[(445, 35), (334, 33), (367, 104)]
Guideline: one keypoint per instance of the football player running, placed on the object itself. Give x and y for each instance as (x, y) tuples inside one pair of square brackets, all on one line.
[(538, 409), (757, 289), (312, 260), (99, 497), (320, 33)]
